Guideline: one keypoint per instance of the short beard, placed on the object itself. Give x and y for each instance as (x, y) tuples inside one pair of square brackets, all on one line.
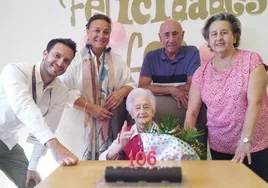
[(46, 67)]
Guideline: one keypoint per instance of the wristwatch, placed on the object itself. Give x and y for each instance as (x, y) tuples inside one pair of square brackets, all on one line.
[(245, 140)]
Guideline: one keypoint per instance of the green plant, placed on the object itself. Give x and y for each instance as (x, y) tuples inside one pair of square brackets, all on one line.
[(172, 126), (190, 136)]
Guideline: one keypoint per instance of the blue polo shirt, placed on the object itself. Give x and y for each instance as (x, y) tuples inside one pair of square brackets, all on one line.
[(160, 69)]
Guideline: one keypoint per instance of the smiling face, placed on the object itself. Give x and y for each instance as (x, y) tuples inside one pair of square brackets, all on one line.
[(99, 35), (142, 111), (57, 60), (221, 38), (171, 36)]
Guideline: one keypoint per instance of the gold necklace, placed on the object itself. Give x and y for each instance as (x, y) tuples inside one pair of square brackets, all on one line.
[(229, 63), (224, 68)]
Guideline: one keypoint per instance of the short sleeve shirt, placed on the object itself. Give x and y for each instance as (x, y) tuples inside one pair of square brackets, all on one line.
[(160, 69), (225, 94)]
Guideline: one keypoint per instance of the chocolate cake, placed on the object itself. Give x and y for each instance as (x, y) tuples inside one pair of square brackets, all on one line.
[(145, 174)]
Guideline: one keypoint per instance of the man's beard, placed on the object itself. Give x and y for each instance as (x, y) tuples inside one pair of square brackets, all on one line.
[(47, 65)]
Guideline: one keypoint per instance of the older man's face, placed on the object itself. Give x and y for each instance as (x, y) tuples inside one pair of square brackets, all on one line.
[(142, 111), (171, 36)]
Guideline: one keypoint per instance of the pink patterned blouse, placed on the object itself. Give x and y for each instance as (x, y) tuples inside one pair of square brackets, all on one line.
[(225, 94)]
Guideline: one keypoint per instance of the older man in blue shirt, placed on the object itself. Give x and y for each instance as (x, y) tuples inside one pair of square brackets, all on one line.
[(168, 72)]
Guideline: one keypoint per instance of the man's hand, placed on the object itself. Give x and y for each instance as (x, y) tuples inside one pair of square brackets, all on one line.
[(180, 95), (61, 154), (114, 99), (100, 113), (32, 175)]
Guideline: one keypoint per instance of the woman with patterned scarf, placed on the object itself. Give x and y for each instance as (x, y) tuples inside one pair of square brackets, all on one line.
[(99, 81)]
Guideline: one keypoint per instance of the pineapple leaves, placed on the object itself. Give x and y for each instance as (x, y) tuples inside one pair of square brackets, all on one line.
[(172, 126)]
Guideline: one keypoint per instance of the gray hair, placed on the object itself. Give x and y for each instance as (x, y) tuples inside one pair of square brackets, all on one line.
[(234, 21), (137, 93)]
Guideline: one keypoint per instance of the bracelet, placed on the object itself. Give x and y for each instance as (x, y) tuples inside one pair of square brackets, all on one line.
[(85, 106)]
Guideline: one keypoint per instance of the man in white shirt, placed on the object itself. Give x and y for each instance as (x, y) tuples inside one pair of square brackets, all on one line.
[(33, 96)]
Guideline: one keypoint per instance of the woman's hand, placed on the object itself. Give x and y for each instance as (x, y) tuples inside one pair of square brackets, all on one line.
[(242, 151), (125, 135), (100, 113), (123, 138), (114, 99)]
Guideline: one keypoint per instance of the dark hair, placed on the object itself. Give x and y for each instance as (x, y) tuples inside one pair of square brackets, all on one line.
[(98, 17), (235, 25), (68, 42)]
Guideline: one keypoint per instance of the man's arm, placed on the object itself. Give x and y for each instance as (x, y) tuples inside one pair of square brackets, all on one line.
[(145, 82), (58, 101), (179, 93), (32, 174), (187, 85), (39, 150), (15, 83), (61, 154), (194, 63)]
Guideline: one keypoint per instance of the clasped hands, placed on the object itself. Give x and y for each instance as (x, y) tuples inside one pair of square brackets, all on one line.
[(113, 100)]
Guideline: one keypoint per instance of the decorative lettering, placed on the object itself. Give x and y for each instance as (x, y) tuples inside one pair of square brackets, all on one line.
[(130, 46), (123, 12), (90, 6), (136, 11), (141, 158), (251, 6), (196, 9), (216, 6), (181, 14), (131, 11), (237, 10), (160, 12)]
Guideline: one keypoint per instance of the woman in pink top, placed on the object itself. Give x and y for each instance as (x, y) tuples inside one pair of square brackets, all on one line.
[(233, 86)]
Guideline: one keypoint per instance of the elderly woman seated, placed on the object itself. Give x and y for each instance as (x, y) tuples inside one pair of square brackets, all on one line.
[(142, 135)]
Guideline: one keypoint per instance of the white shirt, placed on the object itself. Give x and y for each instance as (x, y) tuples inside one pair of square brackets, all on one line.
[(73, 76), (18, 107)]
